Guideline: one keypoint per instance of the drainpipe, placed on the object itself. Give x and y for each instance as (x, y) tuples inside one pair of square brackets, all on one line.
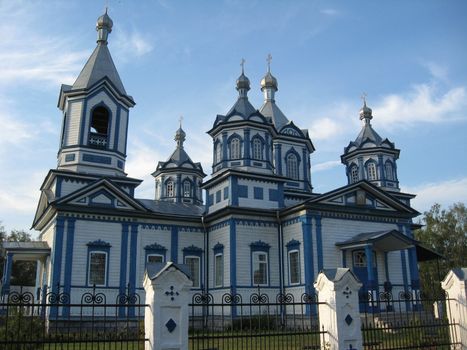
[(281, 252), (206, 255)]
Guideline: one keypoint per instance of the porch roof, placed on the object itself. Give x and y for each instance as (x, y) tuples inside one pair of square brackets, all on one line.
[(386, 241), (27, 250)]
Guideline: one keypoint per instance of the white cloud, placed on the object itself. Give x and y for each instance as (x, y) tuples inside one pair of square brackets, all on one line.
[(134, 44), (423, 104), (331, 164), (445, 193), (329, 12), (438, 71), (325, 128)]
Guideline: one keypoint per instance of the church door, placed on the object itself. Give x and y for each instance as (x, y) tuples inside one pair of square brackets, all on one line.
[(360, 268)]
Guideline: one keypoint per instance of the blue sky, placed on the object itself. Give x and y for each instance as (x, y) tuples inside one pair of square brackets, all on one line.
[(182, 58)]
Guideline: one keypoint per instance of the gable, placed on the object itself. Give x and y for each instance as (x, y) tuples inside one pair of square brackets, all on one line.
[(362, 195), (102, 194)]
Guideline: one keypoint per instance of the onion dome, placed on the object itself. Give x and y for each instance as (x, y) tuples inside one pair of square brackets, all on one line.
[(366, 112), (243, 82), (104, 27), (269, 81), (180, 136)]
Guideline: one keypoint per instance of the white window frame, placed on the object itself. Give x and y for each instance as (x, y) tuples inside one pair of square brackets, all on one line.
[(293, 251), (154, 254), (169, 189), (257, 149), (255, 258), (221, 273), (354, 174), (199, 269), (389, 170), (105, 267), (372, 174), (218, 152), (292, 166), (186, 184), (235, 149)]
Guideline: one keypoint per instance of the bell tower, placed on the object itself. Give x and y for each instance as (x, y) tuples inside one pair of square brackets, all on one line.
[(95, 114)]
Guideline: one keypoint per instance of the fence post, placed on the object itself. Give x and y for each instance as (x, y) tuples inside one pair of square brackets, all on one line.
[(456, 306), (339, 312), (167, 288)]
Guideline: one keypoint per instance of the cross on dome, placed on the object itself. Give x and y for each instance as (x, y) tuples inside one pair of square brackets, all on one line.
[(269, 59)]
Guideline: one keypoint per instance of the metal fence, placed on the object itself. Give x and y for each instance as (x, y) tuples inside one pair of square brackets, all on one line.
[(405, 320), (54, 323), (254, 321)]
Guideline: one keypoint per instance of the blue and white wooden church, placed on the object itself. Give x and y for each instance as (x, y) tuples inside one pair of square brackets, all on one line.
[(261, 224)]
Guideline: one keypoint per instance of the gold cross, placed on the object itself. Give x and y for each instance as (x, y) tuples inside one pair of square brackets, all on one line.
[(180, 121), (363, 97)]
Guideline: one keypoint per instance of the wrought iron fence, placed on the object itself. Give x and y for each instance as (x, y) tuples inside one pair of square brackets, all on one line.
[(254, 321), (405, 320), (54, 322)]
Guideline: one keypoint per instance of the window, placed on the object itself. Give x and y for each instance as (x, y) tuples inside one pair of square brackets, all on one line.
[(292, 166), (155, 258), (186, 189), (170, 189), (257, 149), (99, 127), (359, 258), (218, 155), (389, 171), (100, 121), (97, 268), (193, 263), (354, 174), (260, 268), (235, 148), (219, 270), (371, 167), (294, 267)]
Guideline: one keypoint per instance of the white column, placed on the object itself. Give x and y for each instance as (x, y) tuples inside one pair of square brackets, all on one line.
[(167, 290), (339, 312), (456, 306)]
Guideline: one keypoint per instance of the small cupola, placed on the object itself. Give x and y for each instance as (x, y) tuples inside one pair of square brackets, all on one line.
[(370, 157), (178, 179), (104, 27)]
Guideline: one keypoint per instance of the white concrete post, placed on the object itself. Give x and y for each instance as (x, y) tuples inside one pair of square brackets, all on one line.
[(340, 314), (456, 306), (167, 290)]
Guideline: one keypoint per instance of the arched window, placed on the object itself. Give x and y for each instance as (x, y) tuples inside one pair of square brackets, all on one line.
[(235, 148), (371, 168), (218, 155), (257, 149), (169, 188), (292, 166), (389, 171), (186, 188), (99, 127), (354, 174)]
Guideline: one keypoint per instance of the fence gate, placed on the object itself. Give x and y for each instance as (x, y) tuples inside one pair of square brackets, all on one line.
[(256, 321), (405, 320), (56, 324)]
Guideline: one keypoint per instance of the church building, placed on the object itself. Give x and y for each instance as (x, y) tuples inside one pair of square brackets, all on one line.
[(255, 222)]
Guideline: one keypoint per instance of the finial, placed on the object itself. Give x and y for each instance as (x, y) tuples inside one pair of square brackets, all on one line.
[(180, 134), (363, 97), (104, 27), (242, 63), (269, 59), (365, 111)]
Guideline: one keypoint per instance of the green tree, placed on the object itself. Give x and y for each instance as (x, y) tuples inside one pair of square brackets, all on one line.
[(23, 273), (445, 231)]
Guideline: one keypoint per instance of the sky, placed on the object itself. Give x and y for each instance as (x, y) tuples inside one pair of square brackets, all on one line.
[(181, 58)]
